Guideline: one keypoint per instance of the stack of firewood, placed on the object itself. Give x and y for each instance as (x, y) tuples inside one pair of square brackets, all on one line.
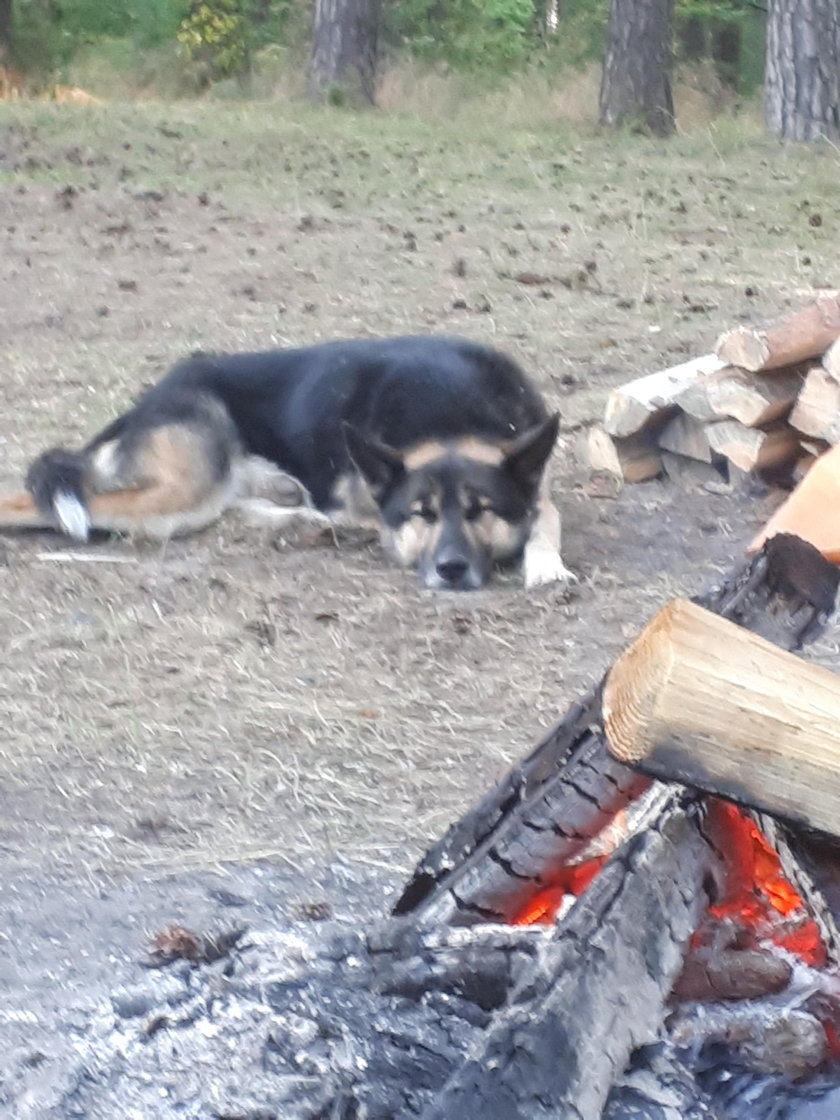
[(759, 403)]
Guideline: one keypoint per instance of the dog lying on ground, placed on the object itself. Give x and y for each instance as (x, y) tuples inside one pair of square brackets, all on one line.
[(443, 441)]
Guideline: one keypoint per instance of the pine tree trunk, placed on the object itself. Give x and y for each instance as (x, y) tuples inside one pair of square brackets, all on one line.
[(802, 75), (5, 31), (636, 82), (344, 46)]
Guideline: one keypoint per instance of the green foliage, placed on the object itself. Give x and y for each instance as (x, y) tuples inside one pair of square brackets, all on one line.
[(491, 35), (214, 35)]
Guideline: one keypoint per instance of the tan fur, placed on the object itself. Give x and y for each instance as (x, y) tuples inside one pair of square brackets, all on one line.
[(412, 540), (166, 490), (469, 447), (504, 539), (423, 454), (480, 451)]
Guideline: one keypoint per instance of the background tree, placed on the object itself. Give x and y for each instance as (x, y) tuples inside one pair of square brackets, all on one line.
[(802, 69), (345, 39), (5, 30), (636, 80)]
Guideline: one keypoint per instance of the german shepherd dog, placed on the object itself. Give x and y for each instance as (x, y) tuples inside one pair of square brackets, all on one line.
[(443, 441)]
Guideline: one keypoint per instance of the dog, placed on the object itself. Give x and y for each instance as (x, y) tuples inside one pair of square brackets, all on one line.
[(443, 443)]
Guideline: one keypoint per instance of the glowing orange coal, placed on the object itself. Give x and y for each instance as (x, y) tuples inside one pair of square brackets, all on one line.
[(541, 909), (756, 895)]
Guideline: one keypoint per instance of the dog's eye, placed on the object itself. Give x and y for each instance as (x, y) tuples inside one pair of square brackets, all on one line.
[(476, 508), (424, 510)]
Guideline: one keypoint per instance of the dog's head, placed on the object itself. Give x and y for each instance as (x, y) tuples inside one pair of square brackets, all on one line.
[(451, 509)]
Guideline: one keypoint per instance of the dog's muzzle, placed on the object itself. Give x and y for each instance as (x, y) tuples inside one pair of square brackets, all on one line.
[(451, 570)]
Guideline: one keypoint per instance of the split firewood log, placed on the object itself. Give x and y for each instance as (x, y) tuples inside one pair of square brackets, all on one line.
[(649, 400), (736, 394), (698, 700), (817, 408), (831, 360), (686, 436), (752, 449), (631, 458), (807, 334)]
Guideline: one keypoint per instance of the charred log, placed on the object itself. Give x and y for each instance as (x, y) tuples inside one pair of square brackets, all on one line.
[(566, 1036), (548, 808)]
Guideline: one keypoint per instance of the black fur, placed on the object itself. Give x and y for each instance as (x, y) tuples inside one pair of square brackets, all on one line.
[(289, 405), (56, 472), (323, 413)]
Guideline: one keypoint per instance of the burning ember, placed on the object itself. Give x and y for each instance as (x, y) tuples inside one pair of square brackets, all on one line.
[(756, 897)]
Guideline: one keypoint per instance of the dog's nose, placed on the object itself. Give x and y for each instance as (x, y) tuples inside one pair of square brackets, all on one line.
[(453, 569)]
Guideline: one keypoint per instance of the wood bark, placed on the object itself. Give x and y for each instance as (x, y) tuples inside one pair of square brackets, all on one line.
[(700, 701), (344, 50), (5, 31), (802, 70), (805, 335), (566, 1036), (636, 80)]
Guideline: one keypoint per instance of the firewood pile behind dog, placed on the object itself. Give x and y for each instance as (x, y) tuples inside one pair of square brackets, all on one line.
[(764, 402)]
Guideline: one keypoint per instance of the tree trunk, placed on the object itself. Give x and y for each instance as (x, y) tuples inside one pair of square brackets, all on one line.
[(636, 82), (5, 31), (344, 45), (802, 75)]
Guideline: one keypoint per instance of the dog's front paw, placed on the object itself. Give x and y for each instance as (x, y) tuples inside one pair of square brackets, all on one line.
[(543, 566)]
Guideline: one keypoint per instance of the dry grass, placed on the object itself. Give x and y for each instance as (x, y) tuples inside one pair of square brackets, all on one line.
[(233, 696)]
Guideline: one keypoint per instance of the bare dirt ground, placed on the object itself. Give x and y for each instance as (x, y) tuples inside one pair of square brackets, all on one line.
[(195, 714)]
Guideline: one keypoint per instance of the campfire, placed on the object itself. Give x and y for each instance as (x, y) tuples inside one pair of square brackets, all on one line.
[(675, 916), (640, 921)]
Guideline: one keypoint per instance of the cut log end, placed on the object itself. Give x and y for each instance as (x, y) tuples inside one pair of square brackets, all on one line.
[(633, 685), (743, 347)]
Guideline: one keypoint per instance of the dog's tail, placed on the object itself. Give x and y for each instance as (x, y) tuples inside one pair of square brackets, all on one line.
[(55, 481)]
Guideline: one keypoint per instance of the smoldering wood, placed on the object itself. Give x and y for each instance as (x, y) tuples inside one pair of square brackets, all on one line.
[(810, 861), (565, 1036), (482, 964), (786, 592), (545, 821), (698, 700), (657, 1086)]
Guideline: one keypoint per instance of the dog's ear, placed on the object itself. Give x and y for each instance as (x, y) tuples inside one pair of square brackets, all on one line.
[(526, 460), (380, 466)]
